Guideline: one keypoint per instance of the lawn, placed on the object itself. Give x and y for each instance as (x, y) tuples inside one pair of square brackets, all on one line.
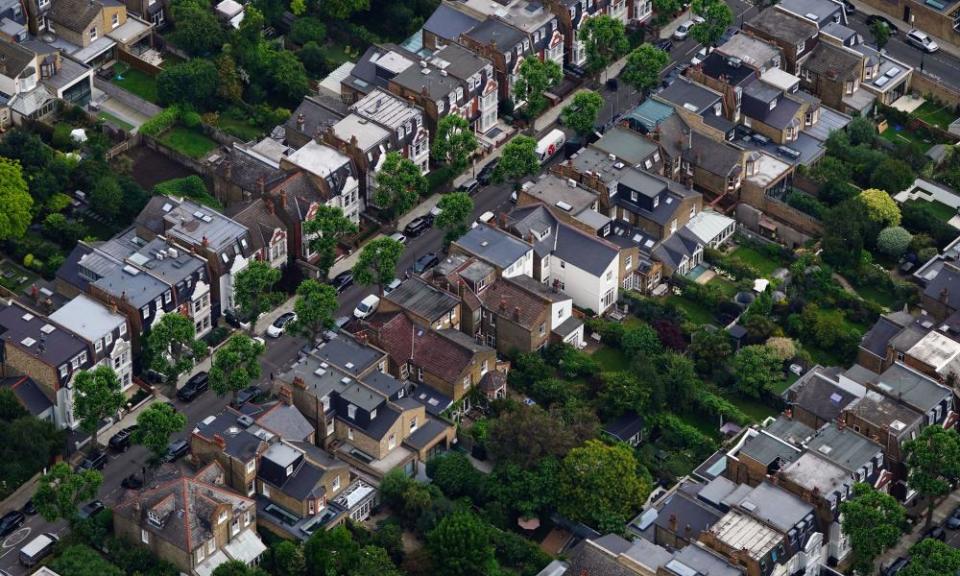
[(137, 82), (939, 209), (335, 53), (753, 257), (903, 135), (728, 288), (15, 277), (191, 142), (756, 410), (935, 114), (882, 297), (239, 127), (611, 359), (114, 121), (695, 312)]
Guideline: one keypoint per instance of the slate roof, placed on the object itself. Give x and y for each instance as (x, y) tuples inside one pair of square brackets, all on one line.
[(720, 158), (701, 561), (500, 34), (426, 433), (817, 392), (886, 412), (493, 245), (688, 511), (423, 299), (628, 425), (911, 387), (627, 145), (586, 558), (448, 23), (286, 421), (28, 393), (519, 305), (261, 219), (945, 286), (844, 447), (349, 354), (54, 347), (876, 339), (589, 253), (672, 250), (773, 505), (241, 443), (767, 450), (833, 62), (384, 383), (75, 15), (686, 93), (15, 59), (316, 116), (435, 352)]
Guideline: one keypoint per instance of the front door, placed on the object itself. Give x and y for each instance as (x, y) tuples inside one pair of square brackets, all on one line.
[(906, 13)]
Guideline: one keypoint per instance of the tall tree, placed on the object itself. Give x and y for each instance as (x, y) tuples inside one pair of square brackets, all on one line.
[(342, 9), (286, 559), (96, 396), (235, 365), (710, 349), (882, 209), (461, 544), (197, 30), (377, 263), (757, 369), (173, 345), (527, 434), (880, 32), (455, 210), (331, 552), (454, 142), (601, 485), (10, 407), (874, 522), (844, 230), (315, 307), (399, 185), (643, 67), (930, 557), (155, 425), (326, 228), (253, 290), (534, 78), (61, 491), (933, 461), (15, 199), (716, 15), (237, 568), (581, 114), (194, 82), (605, 40), (375, 561), (106, 198), (518, 160)]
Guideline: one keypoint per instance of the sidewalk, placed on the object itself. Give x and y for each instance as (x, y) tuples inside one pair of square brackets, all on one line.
[(945, 45), (940, 514)]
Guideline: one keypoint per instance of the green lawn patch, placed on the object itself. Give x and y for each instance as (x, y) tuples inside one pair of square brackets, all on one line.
[(935, 114), (787, 382), (137, 82), (114, 121), (904, 136), (939, 209), (611, 359), (728, 288), (707, 426), (695, 312), (15, 277), (191, 142), (336, 54), (755, 409), (239, 128), (878, 295), (753, 257)]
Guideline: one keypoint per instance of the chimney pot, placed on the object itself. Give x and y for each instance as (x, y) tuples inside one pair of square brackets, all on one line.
[(516, 313), (283, 198)]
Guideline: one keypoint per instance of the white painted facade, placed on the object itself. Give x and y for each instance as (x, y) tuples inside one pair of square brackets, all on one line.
[(586, 290), (523, 266)]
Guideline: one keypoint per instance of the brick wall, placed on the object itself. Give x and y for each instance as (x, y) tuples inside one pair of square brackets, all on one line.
[(925, 84)]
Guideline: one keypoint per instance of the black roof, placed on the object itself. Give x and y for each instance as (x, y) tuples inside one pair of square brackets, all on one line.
[(817, 394), (493, 31), (878, 337), (28, 393), (426, 433), (448, 22), (626, 426)]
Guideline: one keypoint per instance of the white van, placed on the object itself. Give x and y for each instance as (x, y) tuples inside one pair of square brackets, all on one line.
[(38, 549), (366, 307), (551, 144)]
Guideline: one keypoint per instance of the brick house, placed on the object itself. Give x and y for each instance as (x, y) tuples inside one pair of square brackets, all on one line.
[(194, 522), (105, 331), (794, 35), (423, 303), (832, 73), (268, 233)]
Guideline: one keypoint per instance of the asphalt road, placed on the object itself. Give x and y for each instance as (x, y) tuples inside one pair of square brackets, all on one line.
[(942, 65)]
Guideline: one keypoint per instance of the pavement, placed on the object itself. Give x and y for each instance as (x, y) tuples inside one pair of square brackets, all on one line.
[(940, 513)]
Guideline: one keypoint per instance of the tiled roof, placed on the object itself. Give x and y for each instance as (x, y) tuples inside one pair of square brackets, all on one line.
[(833, 62), (75, 15), (514, 303), (259, 216), (287, 422), (425, 348)]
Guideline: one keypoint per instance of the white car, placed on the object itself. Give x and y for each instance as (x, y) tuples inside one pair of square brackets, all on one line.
[(392, 286), (276, 329), (366, 307), (919, 39), (683, 30), (397, 236), (700, 56)]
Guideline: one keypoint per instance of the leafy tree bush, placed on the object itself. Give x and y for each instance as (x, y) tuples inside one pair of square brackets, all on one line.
[(894, 241), (307, 29), (193, 82), (805, 203)]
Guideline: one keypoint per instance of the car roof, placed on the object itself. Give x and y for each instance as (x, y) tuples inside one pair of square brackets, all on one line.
[(370, 299)]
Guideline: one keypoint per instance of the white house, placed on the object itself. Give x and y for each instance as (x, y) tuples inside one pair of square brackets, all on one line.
[(510, 255), (584, 267), (106, 332)]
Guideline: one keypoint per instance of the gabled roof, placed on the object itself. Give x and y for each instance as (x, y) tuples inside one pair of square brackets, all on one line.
[(28, 393), (493, 245), (434, 351), (75, 15), (833, 62), (720, 158), (259, 216), (14, 59), (313, 115), (514, 303), (628, 425), (448, 23), (286, 421)]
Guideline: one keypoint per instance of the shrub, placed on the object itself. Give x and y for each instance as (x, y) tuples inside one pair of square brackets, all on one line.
[(307, 29), (61, 139), (805, 203), (894, 241), (161, 122), (191, 119)]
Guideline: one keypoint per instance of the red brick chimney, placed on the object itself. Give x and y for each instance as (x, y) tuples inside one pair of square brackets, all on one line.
[(503, 305), (285, 394), (268, 203), (261, 184), (516, 313), (219, 441), (298, 382), (205, 242), (283, 198)]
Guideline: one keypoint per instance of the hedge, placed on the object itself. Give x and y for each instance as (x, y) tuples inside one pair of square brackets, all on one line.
[(161, 122)]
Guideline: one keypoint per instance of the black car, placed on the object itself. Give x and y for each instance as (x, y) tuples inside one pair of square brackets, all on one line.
[(470, 187), (613, 85), (936, 533), (195, 386), (416, 227), (664, 44), (953, 522), (91, 509), (30, 509), (897, 565), (248, 394), (848, 7), (95, 460), (121, 440), (342, 281), (176, 450), (876, 18), (425, 262), (11, 521), (132, 482), (485, 176)]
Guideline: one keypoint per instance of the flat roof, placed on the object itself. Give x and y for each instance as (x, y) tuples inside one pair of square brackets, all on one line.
[(494, 245), (88, 318), (741, 532)]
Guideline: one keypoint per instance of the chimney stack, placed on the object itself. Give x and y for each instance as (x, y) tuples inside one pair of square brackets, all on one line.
[(673, 523), (285, 394), (283, 198), (503, 304), (228, 169), (945, 295), (261, 184), (301, 121), (298, 381), (268, 203), (219, 441), (516, 313), (205, 241)]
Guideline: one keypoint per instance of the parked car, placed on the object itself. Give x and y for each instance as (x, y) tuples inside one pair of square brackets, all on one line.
[(953, 521), (195, 386), (132, 482), (399, 237), (936, 533), (248, 394), (683, 30), (416, 227), (121, 440), (665, 44), (486, 217), (30, 509), (919, 39), (367, 306), (848, 7), (95, 460), (877, 18), (729, 33), (432, 215), (392, 286), (425, 262), (613, 84), (470, 187), (342, 281), (897, 565), (91, 509), (485, 176), (276, 329), (700, 56), (38, 549), (176, 450), (11, 521)]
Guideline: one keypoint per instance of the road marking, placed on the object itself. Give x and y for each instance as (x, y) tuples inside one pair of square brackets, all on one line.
[(16, 539)]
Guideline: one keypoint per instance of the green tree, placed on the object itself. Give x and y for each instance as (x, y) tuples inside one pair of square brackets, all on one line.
[(193, 82), (235, 365), (331, 552), (237, 568), (10, 407), (882, 210), (873, 521), (716, 15), (894, 241), (197, 29), (930, 557), (286, 559), (399, 185), (710, 349), (643, 67), (679, 378), (534, 78), (253, 290), (97, 396), (106, 198), (601, 485), (933, 461), (641, 339), (605, 40), (525, 435), (455, 476), (455, 210), (286, 77), (861, 130), (298, 7), (315, 307), (82, 560), (229, 83), (375, 561), (62, 490), (454, 142), (173, 345), (581, 114), (308, 29), (518, 160), (314, 59), (844, 231), (155, 425), (892, 175), (460, 544), (757, 369), (666, 8), (326, 229), (342, 9), (377, 263), (621, 391), (880, 32)]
